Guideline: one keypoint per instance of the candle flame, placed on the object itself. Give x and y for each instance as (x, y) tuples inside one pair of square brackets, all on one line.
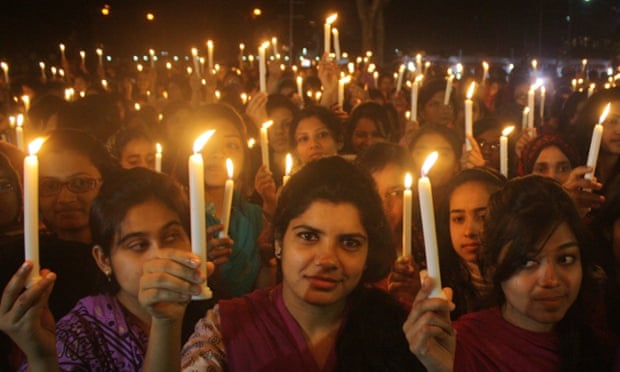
[(62, 47), (194, 52), (408, 181), (345, 79), (202, 140), (82, 54), (209, 43), (584, 62), (429, 162), (229, 168), (267, 124), (264, 45), (534, 64), (151, 52), (485, 65), (470, 91), (506, 132), (605, 113), (251, 143), (158, 148), (42, 65), (331, 19), (526, 110), (543, 90), (20, 120), (35, 145), (289, 164), (4, 65)]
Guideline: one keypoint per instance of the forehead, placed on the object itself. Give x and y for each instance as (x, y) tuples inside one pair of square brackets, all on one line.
[(365, 124), (66, 163), (391, 175), (431, 141), (551, 154), (470, 195), (329, 216), (148, 216), (310, 124)]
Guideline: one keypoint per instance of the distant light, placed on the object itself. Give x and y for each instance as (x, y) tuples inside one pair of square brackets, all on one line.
[(257, 12), (150, 16), (567, 18), (105, 10)]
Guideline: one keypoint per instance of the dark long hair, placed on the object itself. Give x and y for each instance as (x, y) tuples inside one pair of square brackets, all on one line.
[(521, 216)]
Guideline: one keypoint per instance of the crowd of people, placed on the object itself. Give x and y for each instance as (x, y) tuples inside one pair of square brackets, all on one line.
[(311, 274)]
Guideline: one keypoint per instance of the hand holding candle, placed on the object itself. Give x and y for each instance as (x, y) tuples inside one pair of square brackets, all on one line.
[(407, 215), (197, 206), (595, 143), (229, 188), (31, 209), (264, 143), (503, 150), (428, 226), (327, 32)]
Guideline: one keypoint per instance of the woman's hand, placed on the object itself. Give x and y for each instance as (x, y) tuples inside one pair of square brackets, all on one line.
[(219, 248), (26, 317), (524, 138), (265, 185), (580, 190), (168, 282), (404, 281), (257, 109), (429, 331), (472, 158), (328, 74)]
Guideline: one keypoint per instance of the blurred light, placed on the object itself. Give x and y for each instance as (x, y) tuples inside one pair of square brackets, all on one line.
[(150, 16), (257, 12), (105, 10)]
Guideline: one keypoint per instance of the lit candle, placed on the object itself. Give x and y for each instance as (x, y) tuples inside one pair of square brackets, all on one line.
[(336, 35), (595, 143), (19, 132), (197, 206), (418, 62), (300, 89), (375, 78), (399, 81), (251, 143), (407, 215), (530, 103), (42, 67), (274, 44), (99, 52), (5, 69), (287, 169), (83, 57), (503, 150), (229, 187), (152, 55), (428, 225), (524, 116), (543, 93), (414, 97), (584, 63), (591, 89), (341, 83), (485, 71), (573, 84), (469, 115), (241, 52), (139, 67), (244, 98), (26, 100), (63, 56), (534, 67), (195, 58), (31, 209), (327, 32), (264, 143), (448, 92), (158, 155), (427, 65), (262, 67), (210, 55)]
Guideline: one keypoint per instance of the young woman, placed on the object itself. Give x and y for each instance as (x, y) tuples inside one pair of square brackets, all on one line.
[(315, 133), (331, 239), (133, 147), (537, 256), (138, 215), (369, 124)]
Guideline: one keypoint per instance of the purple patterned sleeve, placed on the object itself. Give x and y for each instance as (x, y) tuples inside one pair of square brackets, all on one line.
[(204, 351)]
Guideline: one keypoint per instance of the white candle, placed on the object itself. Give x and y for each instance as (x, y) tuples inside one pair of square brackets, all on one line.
[(26, 100), (503, 150), (336, 35), (448, 92), (591, 89), (229, 187), (197, 206), (341, 84), (524, 118), (428, 226), (327, 32), (31, 209), (99, 52), (414, 97), (19, 132), (407, 215), (262, 67), (83, 57), (399, 81), (264, 143), (288, 168), (274, 44), (300, 89), (543, 93), (534, 67), (158, 155), (530, 103), (375, 78), (418, 63), (42, 67), (210, 55), (5, 69), (195, 58), (469, 115), (485, 71), (152, 57), (63, 56), (595, 143)]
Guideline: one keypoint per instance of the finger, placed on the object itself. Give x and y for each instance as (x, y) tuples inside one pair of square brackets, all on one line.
[(14, 287), (153, 296), (214, 228), (474, 144), (33, 296), (185, 258), (168, 283), (166, 267)]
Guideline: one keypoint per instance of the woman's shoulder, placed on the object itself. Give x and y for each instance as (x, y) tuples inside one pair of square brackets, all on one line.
[(90, 310)]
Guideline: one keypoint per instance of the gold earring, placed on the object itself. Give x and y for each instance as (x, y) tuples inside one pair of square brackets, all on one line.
[(108, 274), (277, 250)]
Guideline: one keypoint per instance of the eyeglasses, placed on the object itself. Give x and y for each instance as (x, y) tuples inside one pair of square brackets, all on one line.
[(77, 185), (488, 146)]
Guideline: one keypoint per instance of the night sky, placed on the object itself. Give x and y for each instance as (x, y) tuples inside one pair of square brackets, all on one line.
[(33, 28)]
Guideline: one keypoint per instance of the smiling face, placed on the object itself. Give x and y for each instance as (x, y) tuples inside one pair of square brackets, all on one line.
[(468, 206), (225, 143), (314, 140), (324, 253), (540, 293), (66, 212)]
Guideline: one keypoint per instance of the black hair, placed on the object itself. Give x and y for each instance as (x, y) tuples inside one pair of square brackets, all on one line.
[(335, 180), (449, 134), (379, 155), (325, 115), (373, 112), (122, 191)]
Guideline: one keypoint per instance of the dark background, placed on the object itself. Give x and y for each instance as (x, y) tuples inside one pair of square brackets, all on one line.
[(33, 28)]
